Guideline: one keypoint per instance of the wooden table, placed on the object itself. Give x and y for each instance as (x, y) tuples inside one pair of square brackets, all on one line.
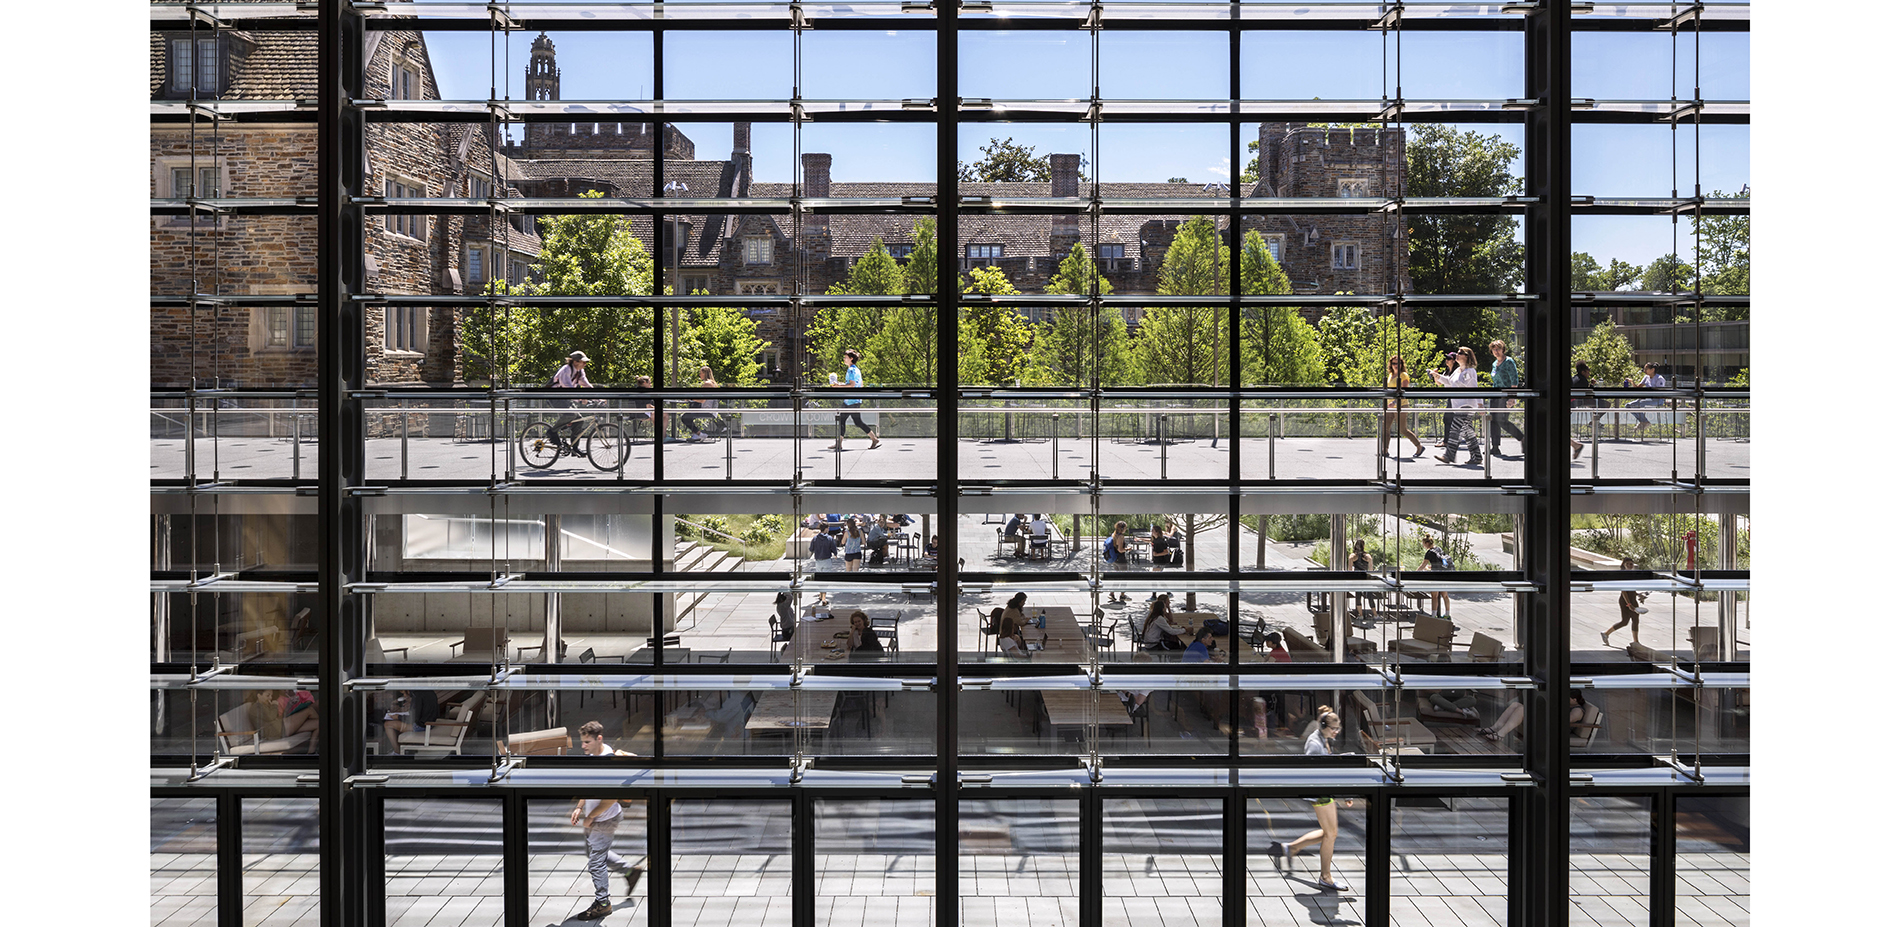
[(1076, 709), (1060, 639)]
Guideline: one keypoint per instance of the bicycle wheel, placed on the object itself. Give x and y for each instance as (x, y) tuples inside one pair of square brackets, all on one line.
[(608, 447), (538, 447)]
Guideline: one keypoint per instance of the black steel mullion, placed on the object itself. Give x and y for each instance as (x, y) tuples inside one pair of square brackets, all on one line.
[(804, 859), (376, 864), (1541, 886), (1662, 859), (514, 858), (1378, 887), (948, 893), (348, 841), (230, 856), (1089, 905), (1234, 858), (659, 859)]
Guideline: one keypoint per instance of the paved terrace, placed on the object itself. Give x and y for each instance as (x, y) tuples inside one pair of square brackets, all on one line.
[(429, 458), (1018, 864)]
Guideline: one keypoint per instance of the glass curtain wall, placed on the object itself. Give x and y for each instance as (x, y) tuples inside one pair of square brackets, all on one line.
[(1039, 463)]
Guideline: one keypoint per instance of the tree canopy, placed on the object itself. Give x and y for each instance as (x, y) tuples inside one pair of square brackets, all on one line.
[(1187, 344), (1076, 345), (1004, 161)]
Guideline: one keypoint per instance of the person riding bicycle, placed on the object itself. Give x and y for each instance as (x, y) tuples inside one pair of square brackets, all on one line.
[(571, 375)]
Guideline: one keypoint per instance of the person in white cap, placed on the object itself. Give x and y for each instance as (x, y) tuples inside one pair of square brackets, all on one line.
[(570, 375)]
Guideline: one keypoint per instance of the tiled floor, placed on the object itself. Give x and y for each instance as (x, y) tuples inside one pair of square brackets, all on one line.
[(1006, 891)]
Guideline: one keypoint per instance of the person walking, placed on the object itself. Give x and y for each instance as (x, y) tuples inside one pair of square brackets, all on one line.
[(1503, 376), (853, 379), (1651, 380), (1435, 560), (599, 818), (693, 419), (1629, 606), (1393, 418), (1579, 383), (1459, 430), (1360, 561), (1319, 743)]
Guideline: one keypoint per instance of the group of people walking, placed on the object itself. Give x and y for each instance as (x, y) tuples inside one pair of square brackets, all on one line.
[(1460, 423)]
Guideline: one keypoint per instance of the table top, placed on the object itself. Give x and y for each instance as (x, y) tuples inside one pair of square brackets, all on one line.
[(1066, 707), (785, 711)]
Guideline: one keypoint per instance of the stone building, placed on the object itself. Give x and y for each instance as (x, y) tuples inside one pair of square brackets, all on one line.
[(239, 256)]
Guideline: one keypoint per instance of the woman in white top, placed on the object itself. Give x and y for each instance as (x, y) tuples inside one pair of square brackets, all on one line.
[(1458, 427), (1160, 630), (1319, 743), (693, 419), (1651, 380)]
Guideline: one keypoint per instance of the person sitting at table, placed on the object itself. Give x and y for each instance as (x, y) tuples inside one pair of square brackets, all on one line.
[(1202, 650), (1013, 532), (1164, 545), (1010, 627), (1159, 632), (930, 549), (863, 640), (877, 538), (1039, 531)]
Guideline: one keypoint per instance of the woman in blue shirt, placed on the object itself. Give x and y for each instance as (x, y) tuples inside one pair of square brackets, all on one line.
[(853, 379)]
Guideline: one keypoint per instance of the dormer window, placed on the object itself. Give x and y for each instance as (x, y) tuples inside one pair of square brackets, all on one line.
[(195, 66), (405, 81), (984, 252)]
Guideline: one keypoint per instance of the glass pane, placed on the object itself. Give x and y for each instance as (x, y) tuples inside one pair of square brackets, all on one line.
[(1610, 859), (875, 862), (1293, 846), (1450, 860), (731, 858), (1161, 860), (570, 867), (184, 861), (1712, 868), (1019, 862), (280, 861), (442, 859)]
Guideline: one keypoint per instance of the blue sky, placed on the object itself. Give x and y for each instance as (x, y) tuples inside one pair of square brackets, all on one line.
[(1608, 160)]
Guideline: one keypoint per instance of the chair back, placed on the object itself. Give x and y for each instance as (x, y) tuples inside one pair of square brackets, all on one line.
[(236, 719), (551, 742), (1436, 631), (485, 640), (587, 656), (1485, 648)]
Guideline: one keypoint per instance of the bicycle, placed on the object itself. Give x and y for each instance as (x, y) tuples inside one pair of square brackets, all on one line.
[(603, 443)]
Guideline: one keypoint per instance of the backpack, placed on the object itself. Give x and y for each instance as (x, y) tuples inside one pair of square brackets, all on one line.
[(1440, 561), (1108, 549)]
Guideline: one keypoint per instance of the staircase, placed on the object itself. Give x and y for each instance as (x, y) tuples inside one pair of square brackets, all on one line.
[(692, 557)]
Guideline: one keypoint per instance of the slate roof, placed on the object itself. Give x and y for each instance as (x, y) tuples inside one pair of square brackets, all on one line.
[(634, 177), (1020, 236), (281, 66)]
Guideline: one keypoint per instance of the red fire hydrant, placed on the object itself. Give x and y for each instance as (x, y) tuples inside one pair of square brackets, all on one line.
[(1688, 543)]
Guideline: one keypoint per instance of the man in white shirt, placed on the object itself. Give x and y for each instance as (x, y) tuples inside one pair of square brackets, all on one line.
[(570, 375), (599, 818)]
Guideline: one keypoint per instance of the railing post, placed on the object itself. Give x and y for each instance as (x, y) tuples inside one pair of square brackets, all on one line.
[(296, 442), (402, 412), (1055, 439), (1161, 431), (1272, 420)]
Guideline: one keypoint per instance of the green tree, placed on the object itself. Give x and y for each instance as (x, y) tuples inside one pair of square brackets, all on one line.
[(1004, 161), (1585, 273), (1723, 254), (1076, 345), (1187, 344), (1277, 344), (1384, 337), (580, 256), (835, 328), (1343, 333), (1461, 253), (992, 338), (1250, 175), (1609, 355), (920, 272), (728, 339), (1177, 180), (1669, 274)]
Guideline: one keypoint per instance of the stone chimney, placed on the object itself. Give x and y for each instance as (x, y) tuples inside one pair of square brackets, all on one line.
[(742, 156), (817, 185), (1064, 232), (1272, 135)]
